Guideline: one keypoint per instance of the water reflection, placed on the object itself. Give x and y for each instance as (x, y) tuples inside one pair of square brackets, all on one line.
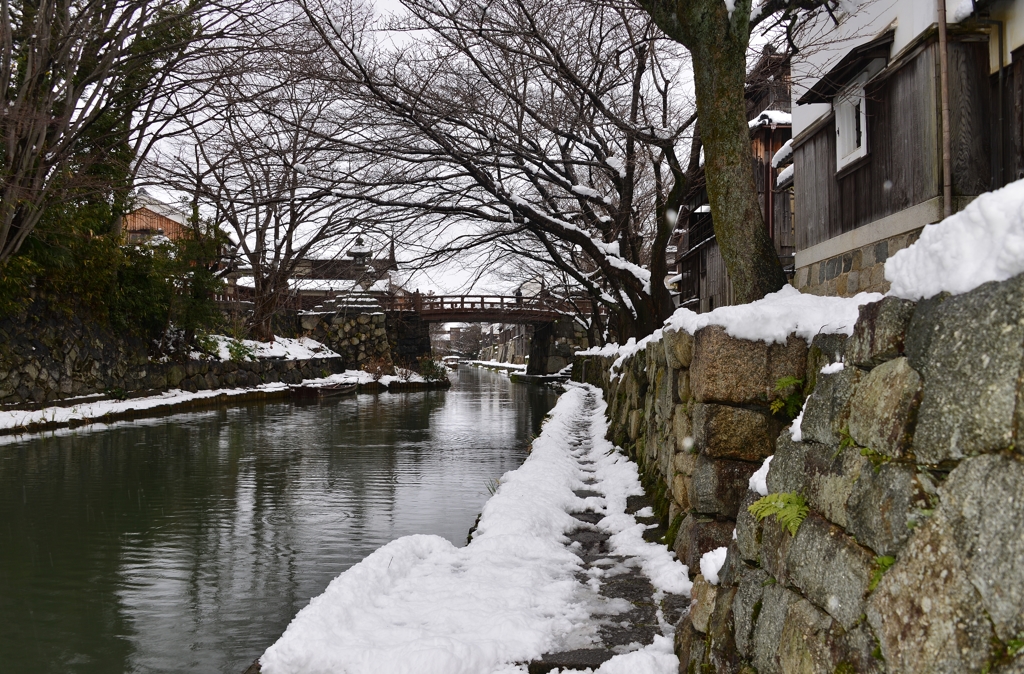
[(188, 543)]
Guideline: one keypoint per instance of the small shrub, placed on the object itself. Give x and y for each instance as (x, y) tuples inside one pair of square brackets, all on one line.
[(206, 344), (432, 370), (789, 509), (377, 367), (238, 350), (882, 564)]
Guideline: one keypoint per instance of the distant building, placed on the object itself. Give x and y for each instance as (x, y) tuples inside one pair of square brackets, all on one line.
[(153, 217)]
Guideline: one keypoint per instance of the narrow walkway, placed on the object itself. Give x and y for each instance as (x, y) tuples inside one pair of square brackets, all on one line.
[(629, 611)]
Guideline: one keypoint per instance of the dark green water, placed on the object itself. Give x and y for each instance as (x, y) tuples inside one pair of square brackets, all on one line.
[(187, 543)]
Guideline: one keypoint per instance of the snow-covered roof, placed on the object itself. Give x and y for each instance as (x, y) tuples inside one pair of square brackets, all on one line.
[(785, 175), (771, 118), (784, 154)]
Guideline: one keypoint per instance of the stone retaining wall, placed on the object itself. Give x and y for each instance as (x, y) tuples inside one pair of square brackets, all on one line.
[(356, 338), (47, 356), (911, 558)]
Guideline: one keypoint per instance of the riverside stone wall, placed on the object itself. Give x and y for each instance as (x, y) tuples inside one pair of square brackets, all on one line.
[(47, 356), (548, 347), (356, 338), (911, 558)]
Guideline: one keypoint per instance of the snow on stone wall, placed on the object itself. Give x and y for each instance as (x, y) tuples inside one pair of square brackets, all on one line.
[(911, 558)]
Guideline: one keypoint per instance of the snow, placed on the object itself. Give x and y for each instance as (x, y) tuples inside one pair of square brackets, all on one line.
[(95, 410), (499, 364), (771, 118), (588, 192), (984, 242), (795, 431), (832, 368), (91, 411), (783, 155), (779, 314), (711, 563), (617, 165), (282, 347), (606, 351), (759, 480), (962, 11), (421, 605), (784, 175), (706, 208), (730, 6)]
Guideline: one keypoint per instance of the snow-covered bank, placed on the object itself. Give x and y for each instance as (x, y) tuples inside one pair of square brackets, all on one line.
[(499, 365), (421, 605), (90, 412), (288, 348)]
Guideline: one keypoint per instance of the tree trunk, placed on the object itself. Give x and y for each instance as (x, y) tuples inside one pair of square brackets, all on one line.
[(718, 46)]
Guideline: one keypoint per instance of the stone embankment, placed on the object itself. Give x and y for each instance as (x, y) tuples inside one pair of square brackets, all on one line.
[(46, 356), (910, 557)]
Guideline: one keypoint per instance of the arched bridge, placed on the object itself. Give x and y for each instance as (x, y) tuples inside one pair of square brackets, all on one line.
[(485, 308)]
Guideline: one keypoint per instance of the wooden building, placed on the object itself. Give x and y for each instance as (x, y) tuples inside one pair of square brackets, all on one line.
[(701, 282), (153, 217), (868, 146)]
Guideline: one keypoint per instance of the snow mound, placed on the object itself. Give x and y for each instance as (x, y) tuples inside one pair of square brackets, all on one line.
[(759, 480), (711, 563), (776, 316), (282, 347), (984, 242)]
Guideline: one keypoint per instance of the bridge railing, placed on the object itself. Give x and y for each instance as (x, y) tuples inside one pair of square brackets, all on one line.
[(470, 304)]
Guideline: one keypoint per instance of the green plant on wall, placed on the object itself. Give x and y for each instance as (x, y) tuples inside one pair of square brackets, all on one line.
[(790, 405), (789, 509), (882, 564)]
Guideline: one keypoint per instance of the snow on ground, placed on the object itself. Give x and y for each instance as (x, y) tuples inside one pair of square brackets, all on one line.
[(984, 242), (420, 605), (87, 411), (96, 410), (282, 347)]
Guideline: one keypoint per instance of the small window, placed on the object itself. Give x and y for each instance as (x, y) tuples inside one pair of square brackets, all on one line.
[(851, 123)]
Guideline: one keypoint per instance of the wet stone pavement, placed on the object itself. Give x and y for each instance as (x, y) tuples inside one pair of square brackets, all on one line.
[(629, 612)]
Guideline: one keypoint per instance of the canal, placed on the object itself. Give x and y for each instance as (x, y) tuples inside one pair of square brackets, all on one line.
[(186, 543)]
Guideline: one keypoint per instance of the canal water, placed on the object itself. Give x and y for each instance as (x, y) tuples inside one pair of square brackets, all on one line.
[(187, 543)]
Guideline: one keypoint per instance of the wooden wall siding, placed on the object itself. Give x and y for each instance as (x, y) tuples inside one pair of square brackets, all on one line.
[(784, 235), (971, 118), (902, 167), (715, 286), (817, 192), (1013, 117)]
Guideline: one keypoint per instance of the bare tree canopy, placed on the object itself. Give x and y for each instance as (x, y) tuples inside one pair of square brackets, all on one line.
[(539, 130), (92, 85)]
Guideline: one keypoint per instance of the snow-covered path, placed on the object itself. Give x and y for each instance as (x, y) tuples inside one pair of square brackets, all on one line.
[(557, 566)]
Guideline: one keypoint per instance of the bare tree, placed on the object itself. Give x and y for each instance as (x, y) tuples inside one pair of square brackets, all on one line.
[(260, 160), (83, 85), (543, 130)]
